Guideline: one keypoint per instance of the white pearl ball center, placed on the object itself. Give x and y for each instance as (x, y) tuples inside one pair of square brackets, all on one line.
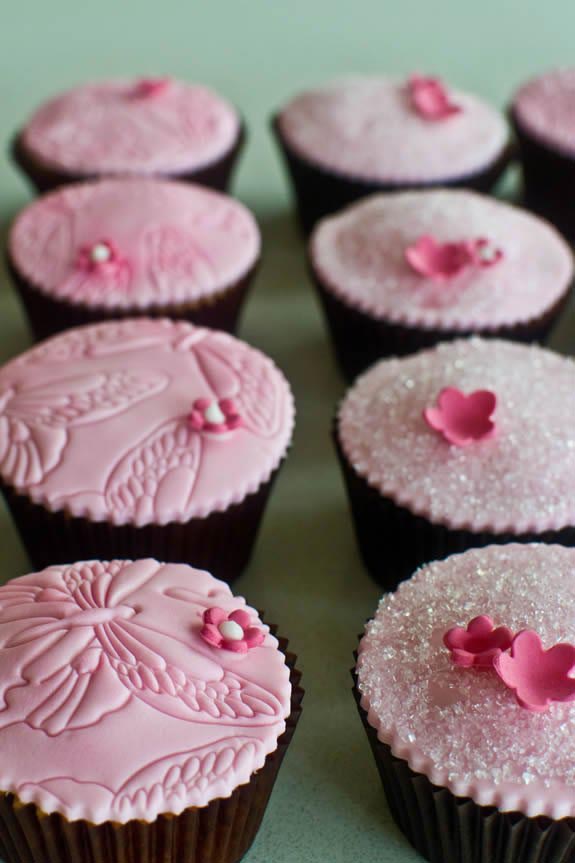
[(100, 253), (214, 414), (231, 630)]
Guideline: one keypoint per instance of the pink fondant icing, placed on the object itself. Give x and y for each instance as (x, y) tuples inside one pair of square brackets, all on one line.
[(367, 128), (462, 419), (95, 422), (519, 480), (113, 707), (113, 127), (359, 255), (478, 644), (170, 242), (545, 108), (536, 675), (463, 728)]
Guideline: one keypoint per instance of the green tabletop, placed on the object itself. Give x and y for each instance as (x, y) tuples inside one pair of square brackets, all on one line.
[(328, 805)]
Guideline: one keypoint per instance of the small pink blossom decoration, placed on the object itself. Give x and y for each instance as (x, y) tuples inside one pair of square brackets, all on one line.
[(537, 676), (149, 87), (101, 257), (217, 417), (462, 419), (479, 644), (233, 631), (443, 261), (430, 98)]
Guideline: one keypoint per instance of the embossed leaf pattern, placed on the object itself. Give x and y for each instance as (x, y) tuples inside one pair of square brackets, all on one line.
[(170, 255)]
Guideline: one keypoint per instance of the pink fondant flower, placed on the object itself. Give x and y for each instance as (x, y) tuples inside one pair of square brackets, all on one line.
[(443, 261), (216, 416), (460, 418), (537, 676), (430, 98), (99, 257), (233, 631), (150, 87), (479, 644)]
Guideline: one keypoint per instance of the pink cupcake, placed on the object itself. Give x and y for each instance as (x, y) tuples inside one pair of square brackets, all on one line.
[(142, 438), (145, 714), (124, 247), (466, 444), (465, 686), (146, 127), (396, 273)]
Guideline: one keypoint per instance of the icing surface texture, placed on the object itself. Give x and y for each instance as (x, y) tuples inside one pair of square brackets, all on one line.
[(92, 651), (367, 128), (96, 422), (171, 242), (462, 727), (521, 479), (360, 256), (545, 108)]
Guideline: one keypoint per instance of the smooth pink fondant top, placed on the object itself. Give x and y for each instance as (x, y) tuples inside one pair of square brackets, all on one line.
[(520, 479), (368, 128), (174, 242), (96, 422), (462, 727), (112, 127), (112, 705), (545, 108), (360, 256)]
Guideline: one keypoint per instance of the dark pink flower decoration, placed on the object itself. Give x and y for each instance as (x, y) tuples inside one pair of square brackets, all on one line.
[(537, 676), (213, 416), (101, 257), (147, 88), (479, 644), (430, 98), (462, 419), (233, 631), (443, 261)]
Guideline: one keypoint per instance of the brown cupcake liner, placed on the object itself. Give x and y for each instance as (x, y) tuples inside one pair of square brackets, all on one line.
[(444, 828), (48, 315), (359, 340), (393, 542), (221, 832), (319, 192), (221, 543), (216, 175)]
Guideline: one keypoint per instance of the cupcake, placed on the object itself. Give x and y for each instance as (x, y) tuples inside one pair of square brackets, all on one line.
[(125, 247), (145, 715), (142, 438), (362, 135), (396, 273), (466, 444), (543, 112), (465, 686), (145, 127)]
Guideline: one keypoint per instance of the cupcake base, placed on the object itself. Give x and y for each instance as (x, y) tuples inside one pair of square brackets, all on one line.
[(221, 543), (320, 192), (444, 828), (360, 340), (393, 542), (48, 316), (221, 832), (216, 175)]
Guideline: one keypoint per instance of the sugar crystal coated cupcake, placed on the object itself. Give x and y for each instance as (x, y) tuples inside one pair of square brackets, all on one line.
[(125, 247), (142, 438), (145, 713), (147, 126), (465, 686), (466, 444), (396, 273), (360, 135)]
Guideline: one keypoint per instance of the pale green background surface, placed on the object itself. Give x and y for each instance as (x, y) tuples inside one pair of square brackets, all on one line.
[(328, 804)]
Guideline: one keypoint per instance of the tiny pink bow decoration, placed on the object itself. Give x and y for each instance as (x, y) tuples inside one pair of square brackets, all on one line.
[(443, 261), (479, 644), (537, 676), (215, 416), (147, 88), (462, 419), (430, 98), (233, 631)]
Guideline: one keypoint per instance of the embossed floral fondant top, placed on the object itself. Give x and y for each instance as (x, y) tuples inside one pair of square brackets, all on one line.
[(101, 421), (369, 128), (113, 706), (362, 255), (545, 108), (517, 475), (134, 243), (138, 126), (463, 726)]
